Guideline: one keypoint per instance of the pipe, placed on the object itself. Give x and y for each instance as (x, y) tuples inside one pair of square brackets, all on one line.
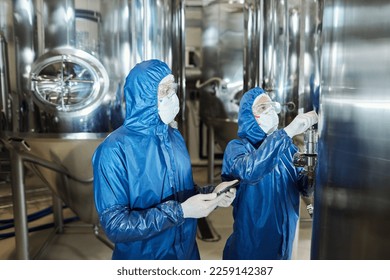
[(210, 152), (213, 79), (53, 166), (19, 205), (4, 85), (308, 160)]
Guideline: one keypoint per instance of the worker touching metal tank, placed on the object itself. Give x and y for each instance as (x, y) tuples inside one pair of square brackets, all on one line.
[(144, 191), (266, 208)]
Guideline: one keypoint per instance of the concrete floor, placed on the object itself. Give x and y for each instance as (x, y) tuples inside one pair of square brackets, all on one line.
[(79, 242)]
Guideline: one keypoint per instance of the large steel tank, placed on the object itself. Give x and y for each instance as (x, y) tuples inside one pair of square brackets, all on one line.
[(352, 198), (63, 64), (222, 72), (282, 51)]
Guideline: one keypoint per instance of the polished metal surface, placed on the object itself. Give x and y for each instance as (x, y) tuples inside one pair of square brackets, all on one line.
[(222, 56), (5, 105), (282, 51), (24, 54), (114, 36), (310, 55), (58, 17), (68, 81), (352, 198)]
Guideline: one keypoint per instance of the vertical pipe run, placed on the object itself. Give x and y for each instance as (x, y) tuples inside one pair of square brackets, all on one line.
[(58, 214), (5, 118), (210, 153), (19, 206)]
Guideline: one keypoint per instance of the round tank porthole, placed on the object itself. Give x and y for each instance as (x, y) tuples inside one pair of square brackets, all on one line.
[(68, 81)]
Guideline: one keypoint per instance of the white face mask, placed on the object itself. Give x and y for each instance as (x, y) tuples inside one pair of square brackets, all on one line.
[(268, 121), (168, 108)]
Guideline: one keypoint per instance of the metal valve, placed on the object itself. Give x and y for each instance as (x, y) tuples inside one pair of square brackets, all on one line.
[(308, 160)]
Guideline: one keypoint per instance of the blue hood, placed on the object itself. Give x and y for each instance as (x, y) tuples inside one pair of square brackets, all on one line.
[(248, 128), (141, 93)]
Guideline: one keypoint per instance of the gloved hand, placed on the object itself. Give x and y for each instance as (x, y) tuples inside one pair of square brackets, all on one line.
[(301, 123), (228, 196), (200, 205)]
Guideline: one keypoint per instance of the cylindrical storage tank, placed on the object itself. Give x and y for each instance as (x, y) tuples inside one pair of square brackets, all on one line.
[(281, 52), (83, 53), (309, 55), (222, 67), (352, 197), (67, 63)]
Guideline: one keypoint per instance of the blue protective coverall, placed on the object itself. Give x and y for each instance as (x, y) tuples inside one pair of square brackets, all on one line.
[(266, 207), (142, 172)]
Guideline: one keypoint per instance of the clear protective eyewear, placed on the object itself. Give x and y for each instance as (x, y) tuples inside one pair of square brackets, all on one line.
[(266, 106), (167, 90)]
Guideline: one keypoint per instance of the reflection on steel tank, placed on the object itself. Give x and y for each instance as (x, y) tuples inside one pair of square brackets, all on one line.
[(282, 53), (222, 72), (63, 64), (352, 198)]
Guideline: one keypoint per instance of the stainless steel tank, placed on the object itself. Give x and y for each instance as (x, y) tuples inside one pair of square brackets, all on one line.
[(63, 65), (222, 72), (222, 57), (352, 198), (282, 55), (281, 52)]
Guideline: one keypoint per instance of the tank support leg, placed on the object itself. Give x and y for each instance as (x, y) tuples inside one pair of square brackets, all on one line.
[(19, 206), (210, 153)]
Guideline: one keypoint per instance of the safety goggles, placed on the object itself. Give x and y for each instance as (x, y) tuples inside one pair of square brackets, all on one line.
[(167, 90), (266, 107)]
